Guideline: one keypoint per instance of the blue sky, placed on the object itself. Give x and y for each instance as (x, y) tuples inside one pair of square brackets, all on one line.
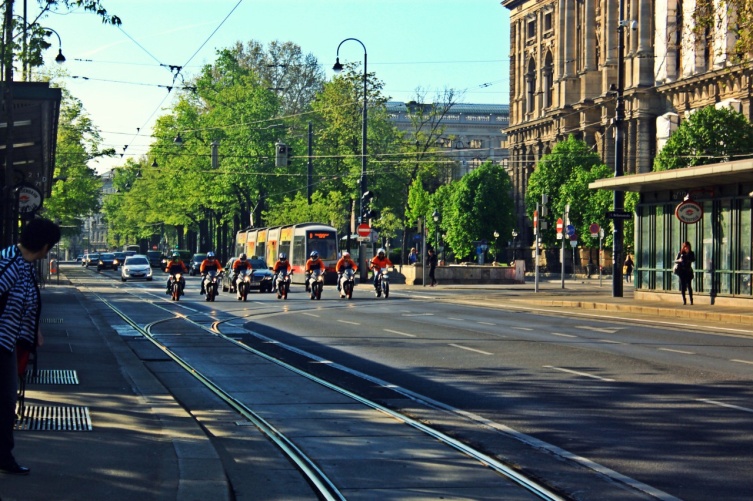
[(121, 74)]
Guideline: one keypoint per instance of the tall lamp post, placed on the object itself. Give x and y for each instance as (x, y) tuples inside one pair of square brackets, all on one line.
[(338, 68), (435, 217), (514, 245)]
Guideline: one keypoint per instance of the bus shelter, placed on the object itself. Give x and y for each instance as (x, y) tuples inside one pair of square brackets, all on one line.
[(708, 206)]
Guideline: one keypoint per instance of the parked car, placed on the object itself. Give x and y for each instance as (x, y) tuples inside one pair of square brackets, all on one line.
[(106, 261), (195, 264), (262, 278), (136, 267), (154, 258), (90, 259), (119, 259)]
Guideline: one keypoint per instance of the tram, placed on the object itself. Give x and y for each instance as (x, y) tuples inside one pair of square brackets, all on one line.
[(298, 241)]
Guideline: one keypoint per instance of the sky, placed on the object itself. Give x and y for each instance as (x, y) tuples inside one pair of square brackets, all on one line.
[(122, 75)]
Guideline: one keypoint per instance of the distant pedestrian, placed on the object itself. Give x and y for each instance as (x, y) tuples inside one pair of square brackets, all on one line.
[(413, 256), (432, 266), (684, 270), (628, 268), (19, 322)]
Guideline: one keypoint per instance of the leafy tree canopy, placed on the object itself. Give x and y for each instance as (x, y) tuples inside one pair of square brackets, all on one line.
[(708, 136)]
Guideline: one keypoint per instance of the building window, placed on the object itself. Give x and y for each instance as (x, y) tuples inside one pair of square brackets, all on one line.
[(531, 29), (547, 22), (475, 144)]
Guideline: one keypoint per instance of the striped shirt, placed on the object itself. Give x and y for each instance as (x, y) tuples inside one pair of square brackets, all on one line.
[(19, 318)]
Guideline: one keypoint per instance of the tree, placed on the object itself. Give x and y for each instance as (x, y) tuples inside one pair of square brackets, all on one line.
[(709, 14), (480, 204), (76, 194), (708, 136), (552, 175)]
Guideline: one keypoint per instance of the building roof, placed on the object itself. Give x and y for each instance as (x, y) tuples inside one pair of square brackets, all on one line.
[(739, 171), (457, 108)]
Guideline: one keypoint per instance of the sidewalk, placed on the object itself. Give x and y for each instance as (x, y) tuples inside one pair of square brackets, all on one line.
[(99, 425)]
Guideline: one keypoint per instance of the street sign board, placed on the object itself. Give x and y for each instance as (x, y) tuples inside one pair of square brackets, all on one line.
[(559, 225), (570, 230), (364, 230), (619, 214), (594, 229)]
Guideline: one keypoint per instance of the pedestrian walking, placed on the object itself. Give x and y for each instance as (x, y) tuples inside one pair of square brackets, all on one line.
[(432, 266), (684, 270), (627, 268), (20, 308)]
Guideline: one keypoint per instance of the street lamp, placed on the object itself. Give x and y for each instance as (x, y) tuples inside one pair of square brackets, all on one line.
[(496, 245), (514, 245), (435, 217), (338, 68)]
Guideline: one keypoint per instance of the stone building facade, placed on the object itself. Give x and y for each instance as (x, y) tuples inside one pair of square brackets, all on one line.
[(564, 63)]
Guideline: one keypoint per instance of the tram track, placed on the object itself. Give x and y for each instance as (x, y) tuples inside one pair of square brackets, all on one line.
[(160, 331)]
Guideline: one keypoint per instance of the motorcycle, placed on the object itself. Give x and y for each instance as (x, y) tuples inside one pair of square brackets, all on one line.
[(316, 284), (282, 284), (176, 286), (347, 283), (243, 283), (211, 284), (383, 283)]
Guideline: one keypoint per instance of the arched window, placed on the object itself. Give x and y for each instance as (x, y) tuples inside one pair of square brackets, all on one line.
[(548, 78), (531, 87)]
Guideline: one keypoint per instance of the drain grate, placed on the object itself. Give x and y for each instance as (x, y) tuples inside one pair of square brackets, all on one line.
[(54, 418), (62, 376), (48, 320)]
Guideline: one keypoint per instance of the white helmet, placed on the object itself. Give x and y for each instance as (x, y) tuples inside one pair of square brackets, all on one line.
[(380, 251), (346, 254)]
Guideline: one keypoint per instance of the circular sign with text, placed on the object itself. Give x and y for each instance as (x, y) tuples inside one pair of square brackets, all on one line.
[(689, 212), (29, 199)]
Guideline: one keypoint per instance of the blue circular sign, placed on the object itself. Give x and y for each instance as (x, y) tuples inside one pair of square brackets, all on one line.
[(570, 230)]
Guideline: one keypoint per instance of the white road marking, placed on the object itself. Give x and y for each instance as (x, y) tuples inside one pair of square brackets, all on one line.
[(458, 319), (485, 323), (561, 334), (578, 373), (399, 333), (609, 341), (418, 314), (677, 351), (742, 361), (722, 404), (605, 330), (523, 328), (346, 322), (470, 349)]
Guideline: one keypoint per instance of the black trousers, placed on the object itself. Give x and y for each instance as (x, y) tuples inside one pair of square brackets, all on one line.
[(8, 396)]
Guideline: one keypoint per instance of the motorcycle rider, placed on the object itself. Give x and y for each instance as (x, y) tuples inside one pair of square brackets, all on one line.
[(281, 264), (377, 263), (345, 262), (239, 265), (312, 263), (175, 265), (210, 263)]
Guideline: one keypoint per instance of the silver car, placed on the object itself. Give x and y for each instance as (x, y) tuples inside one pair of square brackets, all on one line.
[(136, 267)]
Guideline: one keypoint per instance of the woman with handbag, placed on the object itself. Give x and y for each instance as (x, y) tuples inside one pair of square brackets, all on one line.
[(684, 270)]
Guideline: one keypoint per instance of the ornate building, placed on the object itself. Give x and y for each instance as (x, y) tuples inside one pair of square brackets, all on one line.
[(563, 77)]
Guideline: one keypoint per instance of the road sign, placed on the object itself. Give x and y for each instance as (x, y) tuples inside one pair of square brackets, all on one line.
[(559, 225), (619, 214), (594, 229), (364, 230), (570, 230)]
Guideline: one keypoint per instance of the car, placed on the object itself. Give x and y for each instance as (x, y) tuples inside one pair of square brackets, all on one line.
[(79, 258), (90, 259), (185, 256), (155, 259), (106, 261), (262, 278), (136, 267), (119, 258), (195, 264)]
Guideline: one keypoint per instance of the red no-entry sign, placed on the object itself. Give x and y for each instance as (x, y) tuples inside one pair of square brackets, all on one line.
[(364, 230)]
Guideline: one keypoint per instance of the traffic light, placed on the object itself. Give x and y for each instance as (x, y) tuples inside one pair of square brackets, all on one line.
[(367, 212), (281, 155)]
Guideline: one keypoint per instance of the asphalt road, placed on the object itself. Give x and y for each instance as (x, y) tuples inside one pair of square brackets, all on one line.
[(667, 409)]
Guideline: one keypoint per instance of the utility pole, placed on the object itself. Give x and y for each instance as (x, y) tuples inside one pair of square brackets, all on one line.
[(619, 196), (310, 170), (9, 203)]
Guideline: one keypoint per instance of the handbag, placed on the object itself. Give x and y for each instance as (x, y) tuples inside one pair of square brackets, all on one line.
[(676, 269)]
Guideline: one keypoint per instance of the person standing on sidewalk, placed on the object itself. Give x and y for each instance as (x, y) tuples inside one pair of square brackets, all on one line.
[(432, 266), (20, 308), (628, 268), (684, 270)]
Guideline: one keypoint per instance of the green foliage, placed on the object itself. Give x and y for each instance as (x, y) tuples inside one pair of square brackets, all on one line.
[(587, 206), (708, 136), (330, 208), (76, 194), (571, 159), (708, 14), (479, 204)]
